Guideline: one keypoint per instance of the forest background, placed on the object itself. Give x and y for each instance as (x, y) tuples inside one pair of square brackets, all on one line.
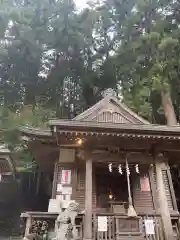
[(55, 61)]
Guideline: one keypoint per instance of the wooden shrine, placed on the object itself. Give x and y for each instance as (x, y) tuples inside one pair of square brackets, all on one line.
[(116, 165)]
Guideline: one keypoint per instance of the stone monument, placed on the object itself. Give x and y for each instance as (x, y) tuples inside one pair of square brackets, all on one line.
[(65, 228)]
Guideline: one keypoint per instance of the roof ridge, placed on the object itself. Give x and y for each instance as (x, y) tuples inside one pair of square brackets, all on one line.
[(108, 98), (89, 110)]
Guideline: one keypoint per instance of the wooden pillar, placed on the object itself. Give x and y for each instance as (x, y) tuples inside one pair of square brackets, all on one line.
[(28, 225), (54, 186), (163, 204), (88, 202), (153, 187)]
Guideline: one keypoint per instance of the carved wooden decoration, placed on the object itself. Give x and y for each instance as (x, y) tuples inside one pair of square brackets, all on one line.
[(110, 109), (109, 116)]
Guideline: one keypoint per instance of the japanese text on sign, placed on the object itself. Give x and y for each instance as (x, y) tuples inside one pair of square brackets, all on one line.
[(102, 224), (149, 227)]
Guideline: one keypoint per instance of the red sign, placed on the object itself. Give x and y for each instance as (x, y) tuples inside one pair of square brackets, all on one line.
[(66, 177), (144, 182)]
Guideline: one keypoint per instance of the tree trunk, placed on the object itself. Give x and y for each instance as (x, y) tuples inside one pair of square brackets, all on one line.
[(168, 108)]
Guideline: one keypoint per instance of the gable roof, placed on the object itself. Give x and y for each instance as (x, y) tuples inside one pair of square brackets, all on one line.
[(110, 109)]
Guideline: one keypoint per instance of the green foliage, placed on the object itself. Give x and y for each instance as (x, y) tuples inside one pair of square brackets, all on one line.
[(148, 58), (55, 61), (9, 134)]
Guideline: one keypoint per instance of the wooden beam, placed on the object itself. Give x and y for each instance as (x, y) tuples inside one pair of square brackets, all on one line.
[(121, 144), (163, 204), (106, 157), (88, 201)]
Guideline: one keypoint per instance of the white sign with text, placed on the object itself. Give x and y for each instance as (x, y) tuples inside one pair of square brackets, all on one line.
[(102, 224), (149, 226)]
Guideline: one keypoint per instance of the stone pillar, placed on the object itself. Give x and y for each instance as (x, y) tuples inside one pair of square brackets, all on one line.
[(88, 202), (163, 204)]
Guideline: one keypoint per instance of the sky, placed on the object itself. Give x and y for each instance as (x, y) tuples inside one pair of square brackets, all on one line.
[(80, 3)]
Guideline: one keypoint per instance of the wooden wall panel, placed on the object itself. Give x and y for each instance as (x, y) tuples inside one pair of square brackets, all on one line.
[(143, 200), (148, 201), (80, 190), (57, 178), (167, 189), (172, 190)]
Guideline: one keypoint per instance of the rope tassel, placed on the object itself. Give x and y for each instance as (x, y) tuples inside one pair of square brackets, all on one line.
[(131, 210)]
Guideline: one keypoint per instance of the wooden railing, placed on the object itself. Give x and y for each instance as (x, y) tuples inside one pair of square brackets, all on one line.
[(176, 225), (124, 228), (119, 227)]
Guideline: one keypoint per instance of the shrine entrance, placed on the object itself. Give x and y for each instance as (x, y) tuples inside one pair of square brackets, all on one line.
[(111, 190), (111, 187)]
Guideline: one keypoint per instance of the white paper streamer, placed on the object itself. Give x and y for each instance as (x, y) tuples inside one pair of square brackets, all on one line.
[(120, 169), (137, 168), (110, 167)]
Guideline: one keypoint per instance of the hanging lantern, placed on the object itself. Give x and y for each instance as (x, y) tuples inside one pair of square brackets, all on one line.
[(110, 196), (110, 167), (137, 168), (120, 169)]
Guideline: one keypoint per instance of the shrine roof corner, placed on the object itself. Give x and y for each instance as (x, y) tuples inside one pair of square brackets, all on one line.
[(35, 133)]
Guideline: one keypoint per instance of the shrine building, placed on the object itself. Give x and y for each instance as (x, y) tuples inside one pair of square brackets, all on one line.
[(116, 165)]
